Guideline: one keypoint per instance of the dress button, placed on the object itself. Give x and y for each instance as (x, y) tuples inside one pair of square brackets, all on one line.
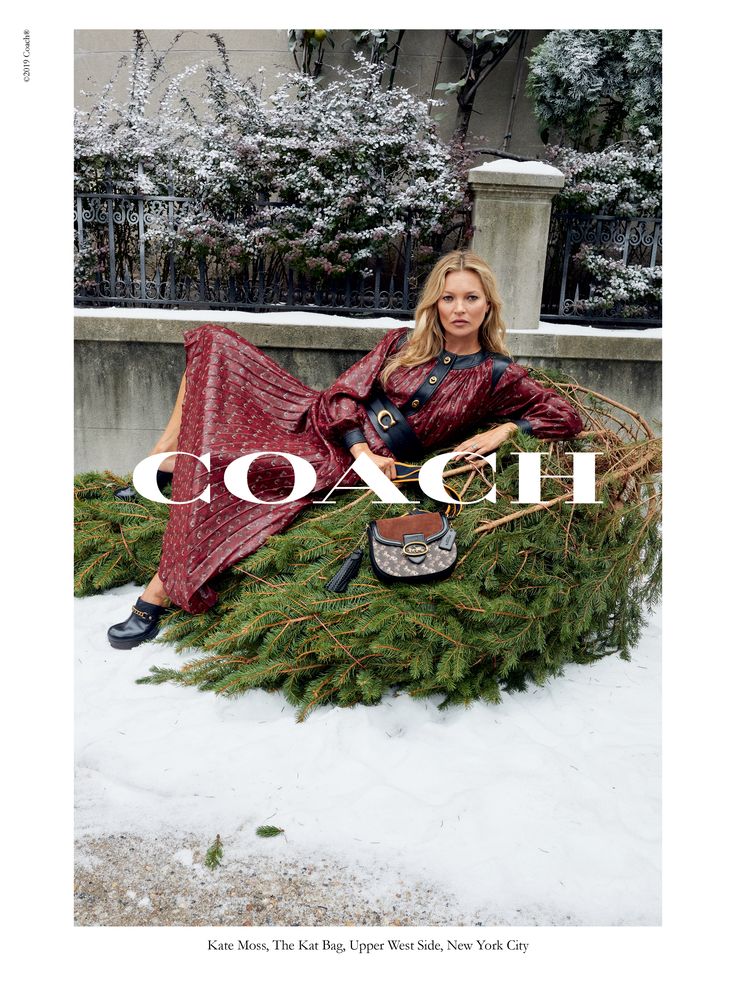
[(446, 360), (432, 379), (415, 403)]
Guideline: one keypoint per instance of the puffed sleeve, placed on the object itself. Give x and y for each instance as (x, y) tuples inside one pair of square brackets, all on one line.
[(340, 405), (532, 407)]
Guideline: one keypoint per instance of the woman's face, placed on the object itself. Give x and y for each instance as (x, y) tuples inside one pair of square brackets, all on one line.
[(463, 306)]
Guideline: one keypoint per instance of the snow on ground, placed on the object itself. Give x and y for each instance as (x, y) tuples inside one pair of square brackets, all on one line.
[(225, 316), (579, 330), (541, 810)]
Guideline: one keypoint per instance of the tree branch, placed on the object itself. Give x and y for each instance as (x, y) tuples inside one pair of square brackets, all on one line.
[(513, 37), (503, 153)]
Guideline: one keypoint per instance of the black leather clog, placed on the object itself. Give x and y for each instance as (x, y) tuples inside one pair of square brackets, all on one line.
[(128, 493), (142, 625)]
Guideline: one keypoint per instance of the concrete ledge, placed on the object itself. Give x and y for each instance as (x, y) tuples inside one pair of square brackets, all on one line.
[(160, 330), (329, 333), (603, 345)]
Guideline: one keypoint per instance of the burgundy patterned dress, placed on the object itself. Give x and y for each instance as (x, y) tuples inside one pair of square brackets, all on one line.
[(239, 401)]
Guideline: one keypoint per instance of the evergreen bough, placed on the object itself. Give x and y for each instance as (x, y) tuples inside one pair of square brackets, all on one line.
[(535, 586), (213, 857), (268, 831)]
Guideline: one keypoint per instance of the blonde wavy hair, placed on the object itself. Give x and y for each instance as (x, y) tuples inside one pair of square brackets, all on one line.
[(426, 340)]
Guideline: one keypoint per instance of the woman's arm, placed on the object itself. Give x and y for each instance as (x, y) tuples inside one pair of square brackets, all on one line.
[(340, 409), (532, 407), (526, 406), (386, 463)]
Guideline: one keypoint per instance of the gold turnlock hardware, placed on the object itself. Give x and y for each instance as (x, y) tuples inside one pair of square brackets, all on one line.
[(415, 548), (389, 416)]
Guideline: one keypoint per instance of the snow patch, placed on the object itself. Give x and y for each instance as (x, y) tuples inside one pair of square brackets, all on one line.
[(578, 330), (546, 805), (225, 316), (85, 860), (305, 319), (524, 167)]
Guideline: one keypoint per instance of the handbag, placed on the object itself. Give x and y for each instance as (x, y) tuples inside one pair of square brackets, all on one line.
[(420, 547)]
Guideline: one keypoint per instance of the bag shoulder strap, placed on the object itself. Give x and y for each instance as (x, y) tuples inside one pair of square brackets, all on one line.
[(410, 474)]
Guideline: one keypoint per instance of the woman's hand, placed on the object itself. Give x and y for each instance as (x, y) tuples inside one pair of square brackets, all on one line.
[(386, 463), (488, 441)]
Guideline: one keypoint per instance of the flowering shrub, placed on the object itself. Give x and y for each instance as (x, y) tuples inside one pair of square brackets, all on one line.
[(628, 290), (87, 262), (625, 179), (321, 177), (350, 162), (134, 144)]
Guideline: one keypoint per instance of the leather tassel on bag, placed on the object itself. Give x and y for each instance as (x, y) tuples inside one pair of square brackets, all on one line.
[(346, 573)]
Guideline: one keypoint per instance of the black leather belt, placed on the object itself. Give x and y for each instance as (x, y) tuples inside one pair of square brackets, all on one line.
[(393, 428)]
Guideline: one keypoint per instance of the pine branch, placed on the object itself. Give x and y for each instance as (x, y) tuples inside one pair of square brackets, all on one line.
[(213, 857)]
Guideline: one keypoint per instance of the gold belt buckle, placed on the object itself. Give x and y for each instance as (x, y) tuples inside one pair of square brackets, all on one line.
[(385, 413)]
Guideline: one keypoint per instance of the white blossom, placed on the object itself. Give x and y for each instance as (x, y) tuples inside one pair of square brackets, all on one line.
[(327, 175)]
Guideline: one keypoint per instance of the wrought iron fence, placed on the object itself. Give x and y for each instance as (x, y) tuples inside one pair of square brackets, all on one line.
[(571, 292), (117, 264)]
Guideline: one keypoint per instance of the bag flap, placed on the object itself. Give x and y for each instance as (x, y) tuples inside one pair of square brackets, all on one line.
[(426, 523)]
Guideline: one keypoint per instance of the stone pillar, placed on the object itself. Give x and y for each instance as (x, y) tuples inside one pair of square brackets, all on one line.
[(511, 212)]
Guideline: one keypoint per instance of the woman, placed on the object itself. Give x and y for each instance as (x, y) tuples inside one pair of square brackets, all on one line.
[(416, 390)]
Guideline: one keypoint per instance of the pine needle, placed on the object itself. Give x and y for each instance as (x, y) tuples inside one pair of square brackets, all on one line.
[(268, 831)]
